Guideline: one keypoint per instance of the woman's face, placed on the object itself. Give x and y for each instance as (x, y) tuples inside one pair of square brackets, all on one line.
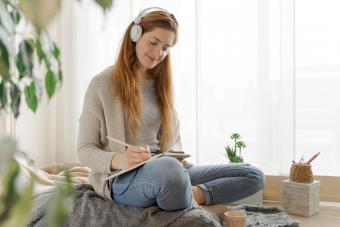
[(153, 47)]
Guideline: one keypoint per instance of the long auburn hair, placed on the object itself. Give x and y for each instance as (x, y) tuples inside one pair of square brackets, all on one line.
[(126, 81)]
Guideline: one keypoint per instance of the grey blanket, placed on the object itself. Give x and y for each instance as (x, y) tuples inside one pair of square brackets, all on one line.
[(263, 216), (92, 210)]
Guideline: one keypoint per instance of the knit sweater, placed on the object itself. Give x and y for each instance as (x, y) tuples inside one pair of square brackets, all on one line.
[(150, 116), (103, 115)]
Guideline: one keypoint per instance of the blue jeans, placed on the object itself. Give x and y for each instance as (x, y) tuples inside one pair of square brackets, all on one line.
[(166, 183)]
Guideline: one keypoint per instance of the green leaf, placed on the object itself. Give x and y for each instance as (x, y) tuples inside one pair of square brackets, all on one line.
[(4, 62), (25, 59), (4, 53), (51, 83), (15, 99), (56, 51), (31, 97), (15, 208), (232, 155), (31, 42), (42, 55), (3, 95), (40, 52), (56, 54), (235, 136), (20, 213), (230, 152), (8, 194), (15, 205), (15, 15), (21, 66), (237, 159), (240, 144), (61, 203)]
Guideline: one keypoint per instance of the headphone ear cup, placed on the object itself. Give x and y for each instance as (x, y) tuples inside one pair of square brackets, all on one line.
[(136, 32)]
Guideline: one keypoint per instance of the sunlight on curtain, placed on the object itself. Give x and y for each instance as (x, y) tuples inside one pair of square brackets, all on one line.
[(318, 83), (268, 69), (227, 77)]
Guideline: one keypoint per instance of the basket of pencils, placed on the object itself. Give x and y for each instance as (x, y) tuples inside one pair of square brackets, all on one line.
[(302, 172)]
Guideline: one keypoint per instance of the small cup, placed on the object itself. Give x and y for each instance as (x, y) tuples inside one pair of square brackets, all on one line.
[(235, 219)]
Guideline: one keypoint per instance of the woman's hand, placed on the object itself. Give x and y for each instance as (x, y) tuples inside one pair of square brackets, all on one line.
[(132, 156), (137, 154)]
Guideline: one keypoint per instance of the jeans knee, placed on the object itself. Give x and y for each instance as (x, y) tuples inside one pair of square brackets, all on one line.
[(176, 186), (173, 174)]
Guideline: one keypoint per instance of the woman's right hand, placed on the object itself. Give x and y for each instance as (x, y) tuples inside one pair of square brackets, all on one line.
[(132, 156)]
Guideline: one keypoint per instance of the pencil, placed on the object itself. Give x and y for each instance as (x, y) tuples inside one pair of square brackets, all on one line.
[(123, 143), (312, 158), (118, 141)]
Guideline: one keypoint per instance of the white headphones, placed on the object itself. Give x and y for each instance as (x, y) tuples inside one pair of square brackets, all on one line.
[(136, 30)]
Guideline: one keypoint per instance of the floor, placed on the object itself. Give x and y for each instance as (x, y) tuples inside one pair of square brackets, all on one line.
[(329, 215)]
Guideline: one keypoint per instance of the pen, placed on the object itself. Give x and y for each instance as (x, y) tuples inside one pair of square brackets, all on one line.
[(312, 158), (118, 141), (301, 160), (123, 143)]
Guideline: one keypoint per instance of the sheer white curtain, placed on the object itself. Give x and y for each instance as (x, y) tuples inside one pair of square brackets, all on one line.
[(270, 70), (318, 83), (88, 39), (266, 69)]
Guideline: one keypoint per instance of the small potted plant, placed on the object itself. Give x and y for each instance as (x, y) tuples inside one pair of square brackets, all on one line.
[(234, 154), (231, 152)]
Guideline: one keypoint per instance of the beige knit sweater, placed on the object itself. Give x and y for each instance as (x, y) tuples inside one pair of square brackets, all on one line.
[(103, 116)]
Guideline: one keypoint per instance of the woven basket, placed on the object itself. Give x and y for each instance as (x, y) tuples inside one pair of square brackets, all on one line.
[(301, 173)]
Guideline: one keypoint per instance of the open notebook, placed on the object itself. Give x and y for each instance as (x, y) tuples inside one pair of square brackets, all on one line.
[(175, 154)]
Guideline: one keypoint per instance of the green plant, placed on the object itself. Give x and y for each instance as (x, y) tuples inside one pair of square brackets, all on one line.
[(25, 48), (27, 51), (61, 203), (231, 152), (16, 202)]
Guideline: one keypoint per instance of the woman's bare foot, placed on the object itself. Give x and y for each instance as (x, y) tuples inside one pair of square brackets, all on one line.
[(198, 195)]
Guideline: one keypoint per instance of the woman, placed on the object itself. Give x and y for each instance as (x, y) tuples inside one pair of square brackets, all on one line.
[(132, 101)]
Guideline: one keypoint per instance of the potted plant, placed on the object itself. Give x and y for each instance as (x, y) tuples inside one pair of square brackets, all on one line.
[(231, 152), (234, 154)]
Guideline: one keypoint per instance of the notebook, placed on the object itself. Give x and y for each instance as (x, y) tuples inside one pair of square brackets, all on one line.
[(175, 154)]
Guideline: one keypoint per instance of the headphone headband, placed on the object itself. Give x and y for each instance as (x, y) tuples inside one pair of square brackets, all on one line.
[(144, 12), (136, 29)]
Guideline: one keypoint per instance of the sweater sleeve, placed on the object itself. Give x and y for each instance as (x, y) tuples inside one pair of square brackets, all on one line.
[(89, 148)]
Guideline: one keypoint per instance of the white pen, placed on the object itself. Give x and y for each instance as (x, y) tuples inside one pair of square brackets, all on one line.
[(301, 160), (121, 142), (118, 141)]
